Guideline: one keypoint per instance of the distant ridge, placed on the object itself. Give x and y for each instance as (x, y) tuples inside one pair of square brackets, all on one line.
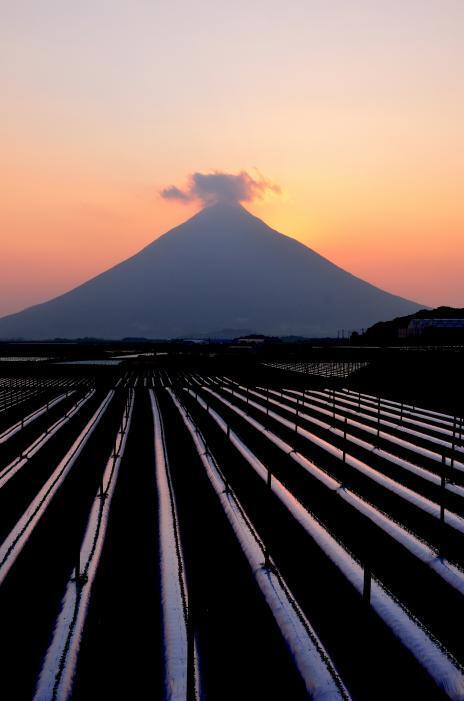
[(222, 269), (391, 330)]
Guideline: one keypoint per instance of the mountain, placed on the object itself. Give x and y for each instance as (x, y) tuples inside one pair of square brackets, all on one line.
[(221, 269)]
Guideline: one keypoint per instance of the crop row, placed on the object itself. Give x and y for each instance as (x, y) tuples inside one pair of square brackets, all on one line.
[(191, 537)]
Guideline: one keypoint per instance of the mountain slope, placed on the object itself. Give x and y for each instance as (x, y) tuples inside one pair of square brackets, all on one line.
[(223, 268)]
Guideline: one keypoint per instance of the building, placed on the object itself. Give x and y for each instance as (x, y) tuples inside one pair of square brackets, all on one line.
[(436, 328)]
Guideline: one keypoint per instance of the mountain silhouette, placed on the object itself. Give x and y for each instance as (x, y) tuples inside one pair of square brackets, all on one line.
[(222, 269)]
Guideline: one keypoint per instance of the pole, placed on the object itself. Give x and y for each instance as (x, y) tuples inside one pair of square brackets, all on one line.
[(453, 444), (378, 418), (269, 496), (344, 438), (442, 506)]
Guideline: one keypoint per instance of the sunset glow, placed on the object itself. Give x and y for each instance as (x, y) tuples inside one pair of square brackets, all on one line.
[(358, 119)]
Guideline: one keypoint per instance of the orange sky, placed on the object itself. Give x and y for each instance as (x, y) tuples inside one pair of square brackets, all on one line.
[(355, 111)]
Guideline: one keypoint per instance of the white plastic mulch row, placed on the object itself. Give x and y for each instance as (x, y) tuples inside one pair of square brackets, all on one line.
[(311, 659), (7, 472), (411, 407), (429, 653), (426, 505), (56, 677), (16, 392), (453, 433), (399, 414), (293, 398), (12, 430), (174, 590), (448, 572), (395, 441), (19, 535)]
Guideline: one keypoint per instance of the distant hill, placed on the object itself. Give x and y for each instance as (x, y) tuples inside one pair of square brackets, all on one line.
[(389, 331), (222, 269)]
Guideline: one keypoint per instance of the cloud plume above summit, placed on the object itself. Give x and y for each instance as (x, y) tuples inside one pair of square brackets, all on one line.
[(217, 187)]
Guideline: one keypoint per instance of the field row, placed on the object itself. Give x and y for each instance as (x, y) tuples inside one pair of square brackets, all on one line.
[(186, 537), (322, 369)]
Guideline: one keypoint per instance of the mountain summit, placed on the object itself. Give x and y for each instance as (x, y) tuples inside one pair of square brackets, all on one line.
[(222, 269)]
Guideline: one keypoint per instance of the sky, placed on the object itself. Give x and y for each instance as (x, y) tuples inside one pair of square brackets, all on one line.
[(352, 110)]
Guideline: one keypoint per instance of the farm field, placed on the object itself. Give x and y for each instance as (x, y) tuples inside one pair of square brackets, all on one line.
[(177, 534), (321, 369)]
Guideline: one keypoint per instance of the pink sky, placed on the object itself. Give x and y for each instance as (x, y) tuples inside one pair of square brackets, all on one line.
[(354, 109)]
